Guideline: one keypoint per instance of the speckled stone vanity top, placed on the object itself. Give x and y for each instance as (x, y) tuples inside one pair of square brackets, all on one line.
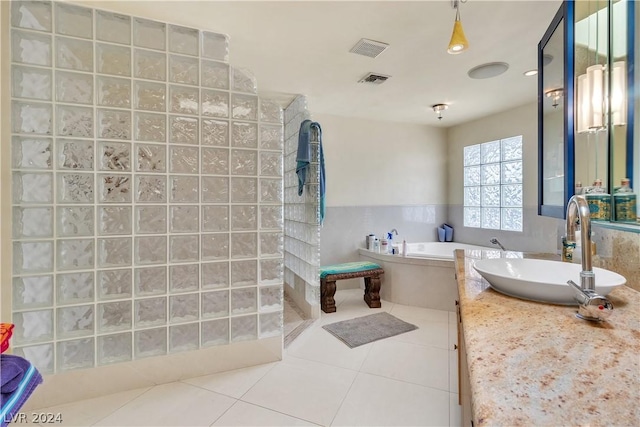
[(537, 364)]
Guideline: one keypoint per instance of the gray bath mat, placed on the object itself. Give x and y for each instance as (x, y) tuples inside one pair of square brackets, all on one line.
[(366, 329)]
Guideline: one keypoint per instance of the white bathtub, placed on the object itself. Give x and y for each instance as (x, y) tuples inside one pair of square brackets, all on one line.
[(437, 250), (424, 278)]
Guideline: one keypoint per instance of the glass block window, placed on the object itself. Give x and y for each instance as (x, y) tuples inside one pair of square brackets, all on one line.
[(492, 182)]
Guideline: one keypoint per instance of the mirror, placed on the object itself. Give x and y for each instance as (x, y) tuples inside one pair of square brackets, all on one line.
[(588, 137), (555, 122), (604, 108)]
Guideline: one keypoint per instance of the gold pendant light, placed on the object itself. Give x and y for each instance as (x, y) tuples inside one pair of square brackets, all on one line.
[(458, 41)]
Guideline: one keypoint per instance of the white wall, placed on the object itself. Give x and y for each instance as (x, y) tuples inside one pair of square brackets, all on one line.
[(540, 233), (380, 175), (382, 163)]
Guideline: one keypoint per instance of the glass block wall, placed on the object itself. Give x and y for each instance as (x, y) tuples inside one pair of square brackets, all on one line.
[(302, 213), (147, 190)]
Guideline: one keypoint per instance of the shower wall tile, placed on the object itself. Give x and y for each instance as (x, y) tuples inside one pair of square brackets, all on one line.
[(74, 21), (32, 83), (183, 130), (31, 48), (33, 292), (215, 74), (75, 154), (147, 190), (301, 213), (215, 132), (149, 65), (149, 34), (113, 27), (114, 284), (215, 46), (114, 60), (113, 92), (31, 153), (74, 54), (114, 348), (74, 288), (32, 222), (32, 15), (114, 156), (31, 118), (184, 278)]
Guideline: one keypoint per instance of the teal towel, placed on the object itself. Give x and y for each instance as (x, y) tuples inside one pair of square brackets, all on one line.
[(349, 267), (303, 159)]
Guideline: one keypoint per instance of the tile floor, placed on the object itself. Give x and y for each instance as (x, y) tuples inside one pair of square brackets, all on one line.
[(410, 380)]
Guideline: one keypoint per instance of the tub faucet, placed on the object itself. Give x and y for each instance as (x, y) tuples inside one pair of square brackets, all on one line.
[(393, 230), (592, 305), (495, 241)]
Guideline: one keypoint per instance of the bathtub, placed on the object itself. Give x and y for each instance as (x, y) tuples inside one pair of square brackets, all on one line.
[(424, 278)]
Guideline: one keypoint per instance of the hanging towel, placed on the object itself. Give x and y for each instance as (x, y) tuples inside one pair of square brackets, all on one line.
[(19, 379), (304, 158)]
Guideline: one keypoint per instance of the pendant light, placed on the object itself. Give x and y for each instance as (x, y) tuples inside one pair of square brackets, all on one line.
[(458, 41)]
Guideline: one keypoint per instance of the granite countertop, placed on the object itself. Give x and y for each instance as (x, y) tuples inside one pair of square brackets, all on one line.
[(537, 364)]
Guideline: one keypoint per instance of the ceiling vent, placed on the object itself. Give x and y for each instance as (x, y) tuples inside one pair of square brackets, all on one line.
[(375, 79), (370, 48)]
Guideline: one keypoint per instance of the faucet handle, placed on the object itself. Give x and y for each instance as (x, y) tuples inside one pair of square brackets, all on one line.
[(593, 306)]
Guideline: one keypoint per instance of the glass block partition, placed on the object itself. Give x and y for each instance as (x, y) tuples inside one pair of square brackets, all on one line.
[(147, 190), (302, 213)]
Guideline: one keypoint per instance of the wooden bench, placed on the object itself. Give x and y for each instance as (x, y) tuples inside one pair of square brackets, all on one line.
[(351, 270)]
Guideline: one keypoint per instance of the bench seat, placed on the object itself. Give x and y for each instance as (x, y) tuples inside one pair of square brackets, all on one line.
[(331, 273)]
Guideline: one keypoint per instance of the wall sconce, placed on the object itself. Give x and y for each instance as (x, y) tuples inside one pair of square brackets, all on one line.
[(555, 95), (458, 41), (438, 109), (593, 100)]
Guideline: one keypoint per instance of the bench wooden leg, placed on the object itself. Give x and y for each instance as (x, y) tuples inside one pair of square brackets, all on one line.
[(372, 291), (327, 292)]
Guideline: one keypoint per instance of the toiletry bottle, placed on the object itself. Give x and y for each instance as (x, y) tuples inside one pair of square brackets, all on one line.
[(390, 242), (404, 248), (376, 245), (384, 246), (578, 188), (599, 202), (624, 201)]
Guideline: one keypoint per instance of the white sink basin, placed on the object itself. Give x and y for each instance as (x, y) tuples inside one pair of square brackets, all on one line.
[(541, 280)]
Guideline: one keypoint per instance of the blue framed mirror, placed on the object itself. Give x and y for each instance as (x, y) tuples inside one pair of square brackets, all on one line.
[(555, 114)]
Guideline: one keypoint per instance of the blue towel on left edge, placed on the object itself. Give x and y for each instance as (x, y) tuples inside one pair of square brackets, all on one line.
[(304, 158), (19, 378)]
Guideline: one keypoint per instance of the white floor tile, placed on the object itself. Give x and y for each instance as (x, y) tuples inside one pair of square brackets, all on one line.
[(377, 401), (173, 404), (455, 411), (88, 412), (246, 414), (303, 389), (319, 345), (402, 311), (427, 366), (232, 383), (429, 333)]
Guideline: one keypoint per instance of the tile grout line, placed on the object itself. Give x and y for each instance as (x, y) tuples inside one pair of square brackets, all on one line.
[(124, 404)]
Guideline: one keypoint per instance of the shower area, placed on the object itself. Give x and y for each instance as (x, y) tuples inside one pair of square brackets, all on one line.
[(149, 203)]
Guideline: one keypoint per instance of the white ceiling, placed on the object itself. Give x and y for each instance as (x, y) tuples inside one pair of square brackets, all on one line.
[(302, 47)]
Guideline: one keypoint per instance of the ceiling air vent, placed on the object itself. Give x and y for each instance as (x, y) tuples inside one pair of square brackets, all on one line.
[(375, 79), (370, 48)]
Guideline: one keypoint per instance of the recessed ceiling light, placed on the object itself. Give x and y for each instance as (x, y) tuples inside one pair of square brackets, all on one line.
[(486, 71), (530, 73)]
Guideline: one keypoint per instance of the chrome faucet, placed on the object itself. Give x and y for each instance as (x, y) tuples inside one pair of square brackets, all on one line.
[(393, 230), (592, 306), (495, 241)]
